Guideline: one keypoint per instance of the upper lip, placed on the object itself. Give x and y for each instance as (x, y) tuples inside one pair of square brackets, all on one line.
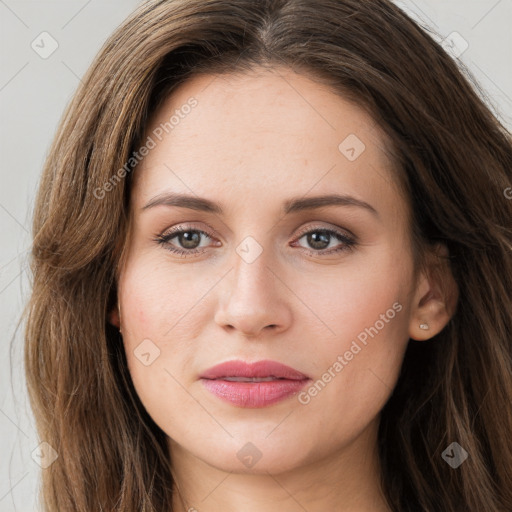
[(265, 368)]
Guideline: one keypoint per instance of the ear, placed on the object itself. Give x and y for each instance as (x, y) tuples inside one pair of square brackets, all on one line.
[(435, 297), (114, 317)]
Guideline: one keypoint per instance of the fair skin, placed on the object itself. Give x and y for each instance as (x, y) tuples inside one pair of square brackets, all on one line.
[(253, 142)]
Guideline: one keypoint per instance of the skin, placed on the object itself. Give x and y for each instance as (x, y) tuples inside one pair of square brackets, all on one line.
[(253, 141)]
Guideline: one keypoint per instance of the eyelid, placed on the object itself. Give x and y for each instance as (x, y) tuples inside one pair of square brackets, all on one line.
[(189, 226), (211, 232), (317, 227)]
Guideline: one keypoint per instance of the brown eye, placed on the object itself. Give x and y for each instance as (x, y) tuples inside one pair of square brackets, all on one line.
[(320, 241), (183, 241), (188, 239)]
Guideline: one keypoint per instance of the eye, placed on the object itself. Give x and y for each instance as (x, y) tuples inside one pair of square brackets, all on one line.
[(323, 241), (188, 239)]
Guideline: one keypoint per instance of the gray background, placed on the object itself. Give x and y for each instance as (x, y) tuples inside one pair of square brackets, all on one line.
[(33, 94)]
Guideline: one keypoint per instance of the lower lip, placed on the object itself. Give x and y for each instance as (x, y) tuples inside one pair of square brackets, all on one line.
[(254, 394)]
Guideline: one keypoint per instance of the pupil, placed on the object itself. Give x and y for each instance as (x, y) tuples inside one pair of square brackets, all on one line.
[(319, 239), (189, 239)]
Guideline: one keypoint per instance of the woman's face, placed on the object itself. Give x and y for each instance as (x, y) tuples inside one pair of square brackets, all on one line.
[(265, 270)]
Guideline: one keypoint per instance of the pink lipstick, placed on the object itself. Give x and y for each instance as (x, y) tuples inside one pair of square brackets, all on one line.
[(253, 385)]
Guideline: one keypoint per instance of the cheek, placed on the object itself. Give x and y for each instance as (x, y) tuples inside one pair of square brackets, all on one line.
[(354, 379), (358, 359), (159, 323), (156, 297), (367, 292)]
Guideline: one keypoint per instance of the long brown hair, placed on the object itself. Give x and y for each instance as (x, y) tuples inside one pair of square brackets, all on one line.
[(453, 157)]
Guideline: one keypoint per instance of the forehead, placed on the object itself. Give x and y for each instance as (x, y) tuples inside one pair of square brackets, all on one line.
[(264, 132)]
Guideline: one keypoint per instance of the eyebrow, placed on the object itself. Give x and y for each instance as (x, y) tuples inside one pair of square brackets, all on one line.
[(290, 206)]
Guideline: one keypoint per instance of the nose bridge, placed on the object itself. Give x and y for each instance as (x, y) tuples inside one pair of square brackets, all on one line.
[(252, 281), (250, 299)]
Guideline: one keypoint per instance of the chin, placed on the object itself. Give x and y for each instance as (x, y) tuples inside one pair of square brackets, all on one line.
[(246, 453)]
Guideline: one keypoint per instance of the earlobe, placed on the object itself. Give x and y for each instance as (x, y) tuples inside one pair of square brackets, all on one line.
[(436, 297)]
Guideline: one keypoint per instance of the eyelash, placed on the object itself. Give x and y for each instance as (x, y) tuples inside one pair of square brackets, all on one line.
[(164, 239)]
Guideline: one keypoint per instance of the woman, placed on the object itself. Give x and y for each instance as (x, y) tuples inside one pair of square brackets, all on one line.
[(272, 269)]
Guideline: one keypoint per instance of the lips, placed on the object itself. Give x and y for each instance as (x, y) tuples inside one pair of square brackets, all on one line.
[(258, 370), (253, 385)]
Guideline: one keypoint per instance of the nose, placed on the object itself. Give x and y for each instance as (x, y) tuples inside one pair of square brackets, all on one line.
[(253, 300)]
